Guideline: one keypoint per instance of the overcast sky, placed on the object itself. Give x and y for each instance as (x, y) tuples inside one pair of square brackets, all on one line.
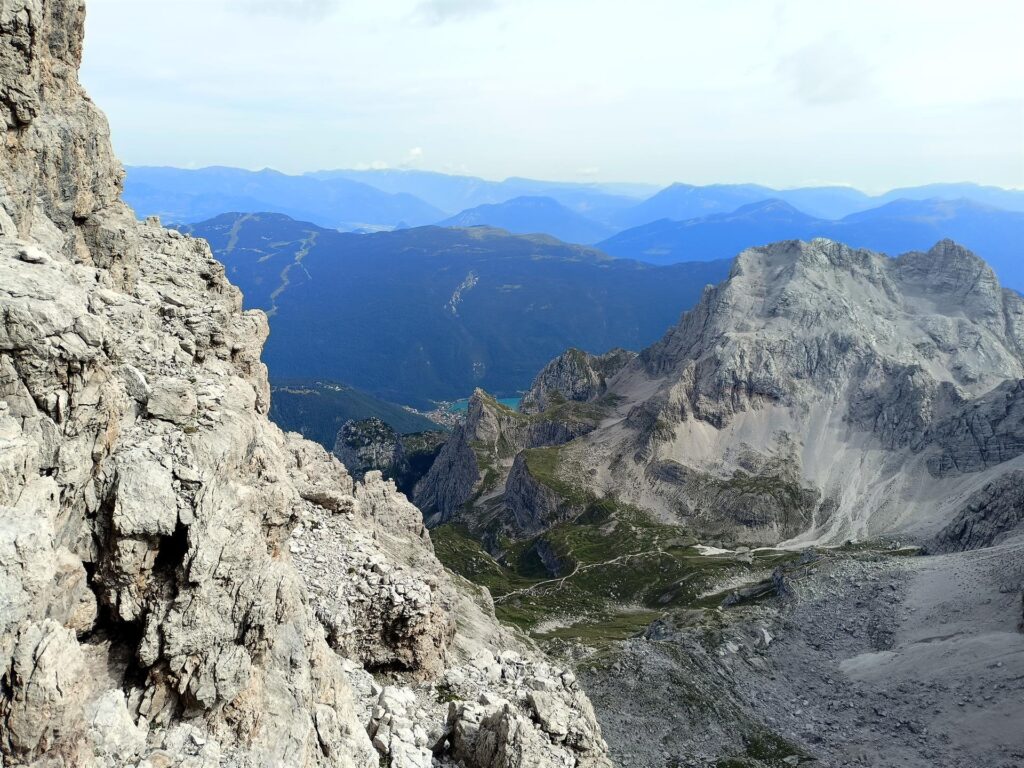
[(787, 93)]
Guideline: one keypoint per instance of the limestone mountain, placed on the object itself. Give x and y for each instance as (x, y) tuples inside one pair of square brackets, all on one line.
[(720, 525), (821, 393), (181, 583), (459, 308), (473, 464)]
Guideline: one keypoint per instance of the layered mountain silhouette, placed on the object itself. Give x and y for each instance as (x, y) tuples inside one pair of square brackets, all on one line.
[(371, 200), (454, 193), (186, 196), (686, 201), (458, 308), (902, 225)]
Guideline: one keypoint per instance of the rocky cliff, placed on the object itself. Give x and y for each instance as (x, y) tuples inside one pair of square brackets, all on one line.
[(473, 465), (574, 375), (369, 444), (825, 393), (180, 582)]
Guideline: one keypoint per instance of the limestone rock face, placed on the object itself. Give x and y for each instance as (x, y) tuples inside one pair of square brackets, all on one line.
[(367, 445), (540, 712), (531, 505), (821, 393), (855, 394), (154, 606), (797, 319), (574, 375), (450, 481), (988, 516), (480, 453)]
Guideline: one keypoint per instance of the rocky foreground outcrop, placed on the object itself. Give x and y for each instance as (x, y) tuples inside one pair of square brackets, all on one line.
[(180, 582)]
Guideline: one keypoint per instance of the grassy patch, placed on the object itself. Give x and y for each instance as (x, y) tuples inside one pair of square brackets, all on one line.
[(614, 627), (763, 749), (766, 746), (458, 550), (544, 465), (559, 409), (619, 568)]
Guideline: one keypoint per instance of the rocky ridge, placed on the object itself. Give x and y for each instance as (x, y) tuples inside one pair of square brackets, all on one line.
[(824, 393), (472, 466), (574, 375), (366, 445), (162, 604), (369, 444)]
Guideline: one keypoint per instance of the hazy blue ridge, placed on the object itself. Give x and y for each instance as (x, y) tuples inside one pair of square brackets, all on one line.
[(529, 215), (180, 195), (994, 234)]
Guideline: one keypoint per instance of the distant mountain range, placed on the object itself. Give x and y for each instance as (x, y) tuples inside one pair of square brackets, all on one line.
[(370, 200), (529, 215), (680, 202), (894, 228), (454, 193), (178, 195), (428, 314)]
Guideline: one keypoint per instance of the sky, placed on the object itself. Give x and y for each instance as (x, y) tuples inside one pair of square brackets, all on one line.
[(780, 92)]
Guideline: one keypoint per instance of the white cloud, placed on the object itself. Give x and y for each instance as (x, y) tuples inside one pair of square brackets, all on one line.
[(413, 158), (876, 93), (828, 71), (435, 12), (298, 9)]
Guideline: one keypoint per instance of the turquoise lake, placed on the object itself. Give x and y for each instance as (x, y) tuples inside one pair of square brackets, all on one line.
[(460, 406)]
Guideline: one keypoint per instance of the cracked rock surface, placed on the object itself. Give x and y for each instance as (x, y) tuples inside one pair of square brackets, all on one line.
[(161, 602)]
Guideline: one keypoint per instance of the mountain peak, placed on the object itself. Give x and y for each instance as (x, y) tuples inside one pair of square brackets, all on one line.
[(772, 205), (948, 268), (800, 293), (528, 214)]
